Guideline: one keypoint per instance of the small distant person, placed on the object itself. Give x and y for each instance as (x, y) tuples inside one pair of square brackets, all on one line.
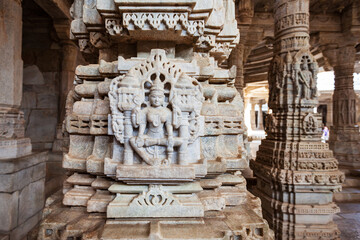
[(325, 134)]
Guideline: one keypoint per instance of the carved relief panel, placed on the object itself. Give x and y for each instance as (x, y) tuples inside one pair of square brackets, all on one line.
[(155, 117)]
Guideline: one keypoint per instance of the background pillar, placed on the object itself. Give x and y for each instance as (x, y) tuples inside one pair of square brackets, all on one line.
[(22, 173), (344, 134), (296, 173)]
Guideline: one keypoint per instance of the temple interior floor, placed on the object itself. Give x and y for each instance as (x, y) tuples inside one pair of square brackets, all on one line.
[(348, 220)]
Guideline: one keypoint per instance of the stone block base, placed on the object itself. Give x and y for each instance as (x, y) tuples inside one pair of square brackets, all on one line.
[(13, 148), (22, 194), (308, 214), (240, 222), (151, 174), (345, 142), (311, 232)]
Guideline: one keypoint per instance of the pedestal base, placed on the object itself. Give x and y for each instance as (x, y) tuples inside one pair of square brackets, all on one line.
[(240, 222), (345, 143), (21, 194), (152, 174)]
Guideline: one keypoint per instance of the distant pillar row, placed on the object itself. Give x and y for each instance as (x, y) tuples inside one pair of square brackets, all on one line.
[(259, 118), (297, 173)]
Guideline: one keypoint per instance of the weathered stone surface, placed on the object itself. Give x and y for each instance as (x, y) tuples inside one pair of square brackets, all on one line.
[(28, 101), (212, 201), (100, 201), (4, 237), (47, 101), (13, 148), (33, 76), (21, 231), (17, 180), (11, 64), (9, 166), (78, 196), (42, 125), (31, 200), (9, 209)]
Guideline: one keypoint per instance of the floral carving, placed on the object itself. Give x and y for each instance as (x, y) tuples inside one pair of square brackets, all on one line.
[(155, 197)]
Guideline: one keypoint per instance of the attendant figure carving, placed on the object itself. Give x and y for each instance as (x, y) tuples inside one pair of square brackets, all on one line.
[(306, 80)]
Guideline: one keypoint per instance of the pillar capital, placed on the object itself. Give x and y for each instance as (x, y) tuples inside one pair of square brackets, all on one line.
[(339, 56)]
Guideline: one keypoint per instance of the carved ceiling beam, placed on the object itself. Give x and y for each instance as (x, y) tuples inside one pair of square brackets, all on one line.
[(57, 9)]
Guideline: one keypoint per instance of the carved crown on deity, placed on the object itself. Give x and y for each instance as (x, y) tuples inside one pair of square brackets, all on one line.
[(156, 121)]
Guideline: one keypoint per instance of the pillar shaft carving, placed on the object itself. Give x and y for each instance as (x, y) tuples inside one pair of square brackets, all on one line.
[(344, 98), (344, 138), (237, 59), (292, 161)]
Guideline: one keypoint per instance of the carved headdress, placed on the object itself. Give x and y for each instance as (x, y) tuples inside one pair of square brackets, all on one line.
[(157, 85)]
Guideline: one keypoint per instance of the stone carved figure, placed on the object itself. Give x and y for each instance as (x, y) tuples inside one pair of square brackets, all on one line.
[(310, 124), (155, 111), (304, 79), (149, 144), (275, 80)]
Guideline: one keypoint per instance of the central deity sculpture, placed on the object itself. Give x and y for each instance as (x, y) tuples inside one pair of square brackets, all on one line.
[(156, 119), (150, 144)]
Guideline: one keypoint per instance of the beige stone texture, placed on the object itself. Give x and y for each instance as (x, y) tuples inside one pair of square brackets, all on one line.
[(11, 62), (31, 200), (9, 208)]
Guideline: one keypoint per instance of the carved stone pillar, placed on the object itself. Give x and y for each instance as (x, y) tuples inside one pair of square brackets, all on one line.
[(22, 172), (236, 58), (297, 174), (344, 135), (69, 60), (252, 116), (260, 117), (12, 132)]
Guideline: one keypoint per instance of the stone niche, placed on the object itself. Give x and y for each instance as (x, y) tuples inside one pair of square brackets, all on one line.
[(156, 127)]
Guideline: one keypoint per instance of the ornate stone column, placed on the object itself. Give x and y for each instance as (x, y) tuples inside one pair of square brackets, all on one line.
[(252, 116), (237, 59), (297, 174), (22, 173), (260, 117), (344, 135)]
